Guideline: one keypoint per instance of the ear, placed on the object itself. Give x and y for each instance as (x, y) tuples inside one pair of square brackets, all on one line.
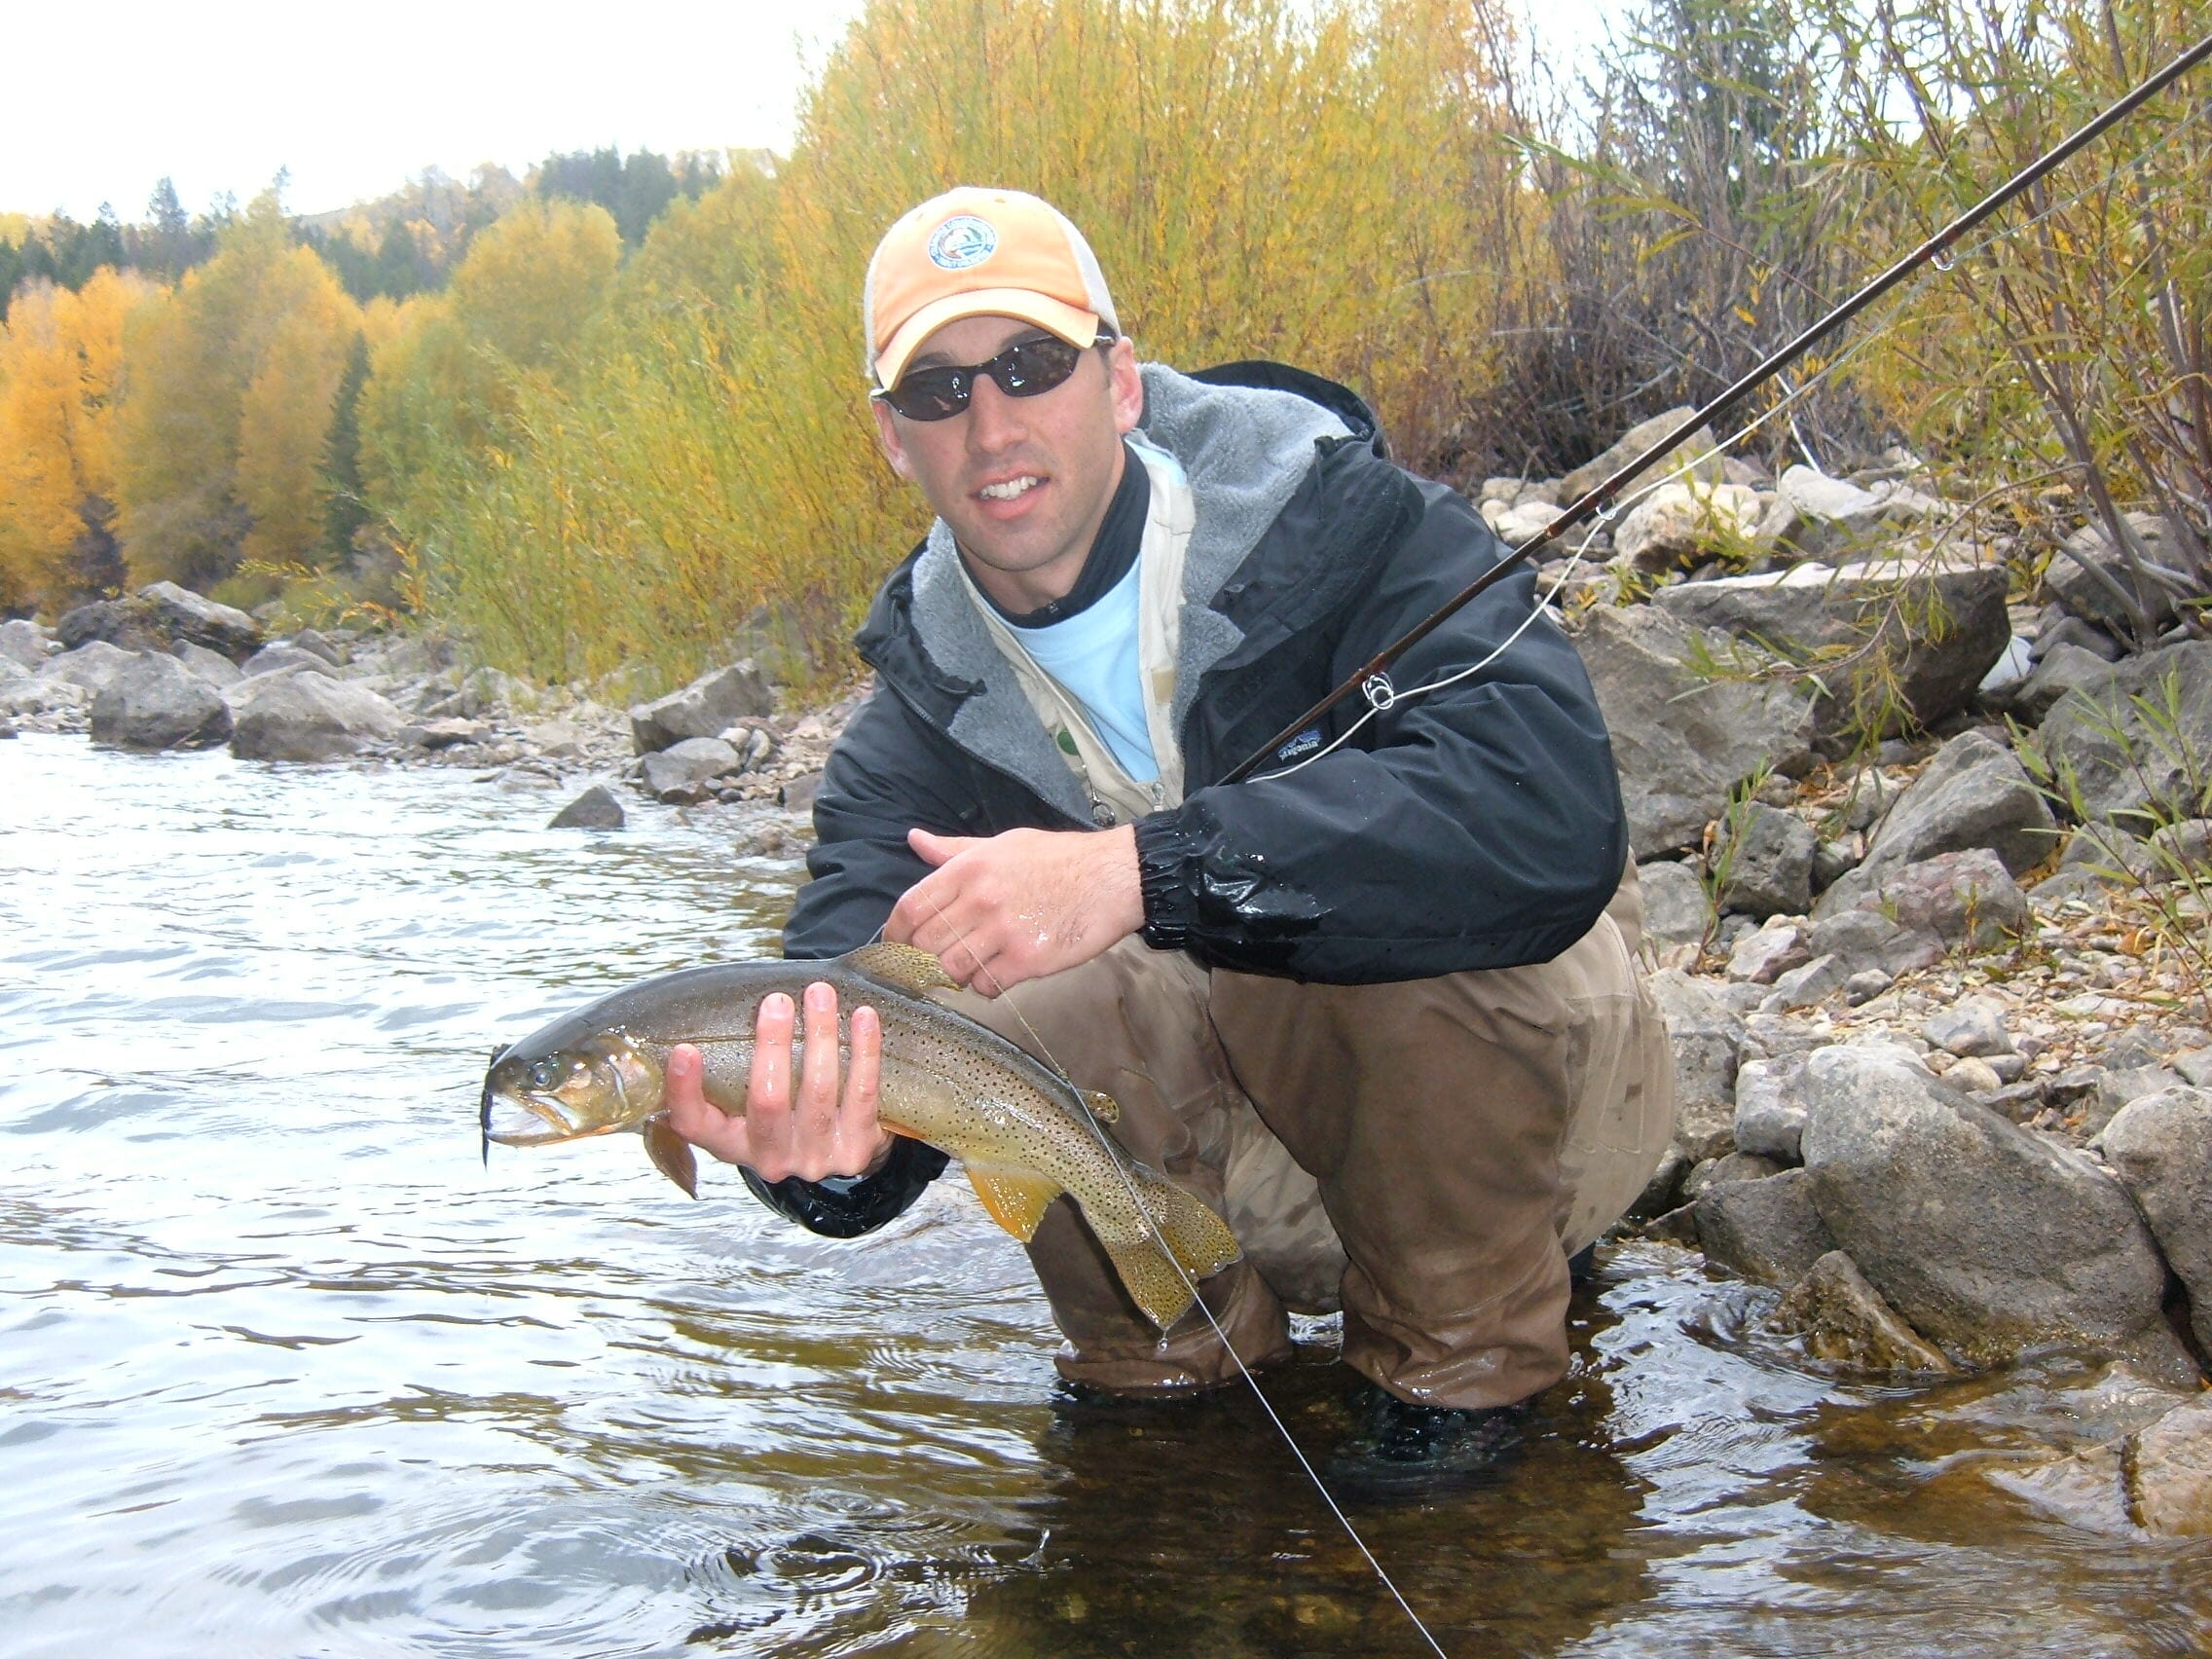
[(1126, 389), (887, 439)]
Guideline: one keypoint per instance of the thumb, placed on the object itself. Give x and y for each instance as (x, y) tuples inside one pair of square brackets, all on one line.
[(935, 850)]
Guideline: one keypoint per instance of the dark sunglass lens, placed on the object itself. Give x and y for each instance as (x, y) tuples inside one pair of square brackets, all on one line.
[(1034, 366), (930, 394)]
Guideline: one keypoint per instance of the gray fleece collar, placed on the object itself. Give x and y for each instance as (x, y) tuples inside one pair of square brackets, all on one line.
[(1244, 451)]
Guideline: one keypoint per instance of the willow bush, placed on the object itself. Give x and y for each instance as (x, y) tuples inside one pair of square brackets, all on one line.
[(1324, 184)]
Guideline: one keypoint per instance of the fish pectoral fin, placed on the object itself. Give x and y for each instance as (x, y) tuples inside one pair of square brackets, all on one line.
[(672, 1154), (900, 967), (1017, 1199), (1104, 1107)]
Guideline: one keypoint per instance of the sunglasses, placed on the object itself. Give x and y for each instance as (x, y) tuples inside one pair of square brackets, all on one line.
[(1028, 368)]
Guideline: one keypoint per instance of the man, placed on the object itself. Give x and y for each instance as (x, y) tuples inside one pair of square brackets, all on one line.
[(1377, 1003)]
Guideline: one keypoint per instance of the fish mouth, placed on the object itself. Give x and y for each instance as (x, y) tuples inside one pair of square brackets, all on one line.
[(527, 1119)]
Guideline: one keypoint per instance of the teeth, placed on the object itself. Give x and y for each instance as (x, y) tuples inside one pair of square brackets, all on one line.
[(1011, 488)]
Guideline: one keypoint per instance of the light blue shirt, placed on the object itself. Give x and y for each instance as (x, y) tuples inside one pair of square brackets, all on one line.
[(1094, 655)]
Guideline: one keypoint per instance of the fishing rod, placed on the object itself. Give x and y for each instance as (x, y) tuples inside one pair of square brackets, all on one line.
[(1371, 678)]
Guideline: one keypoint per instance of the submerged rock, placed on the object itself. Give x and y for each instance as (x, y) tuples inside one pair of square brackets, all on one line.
[(595, 809), (1844, 1321), (2156, 1483)]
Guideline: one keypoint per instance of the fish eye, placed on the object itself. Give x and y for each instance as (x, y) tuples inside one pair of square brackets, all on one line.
[(548, 1072)]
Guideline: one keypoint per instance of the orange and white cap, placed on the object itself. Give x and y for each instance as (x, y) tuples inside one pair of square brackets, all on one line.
[(974, 252)]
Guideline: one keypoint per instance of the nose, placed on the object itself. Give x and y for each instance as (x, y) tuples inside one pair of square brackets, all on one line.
[(994, 420)]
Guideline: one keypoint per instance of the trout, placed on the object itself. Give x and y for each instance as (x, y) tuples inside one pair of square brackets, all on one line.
[(1024, 1133)]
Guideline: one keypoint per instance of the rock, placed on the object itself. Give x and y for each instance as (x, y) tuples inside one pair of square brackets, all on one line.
[(24, 641), (306, 716), (2085, 572), (1838, 514), (308, 640), (35, 697), (2160, 1146), (1659, 1193), (1684, 742), (680, 773), (2181, 850), (1836, 859), (1844, 1321), (157, 617), (1522, 524), (2120, 1087), (1975, 793), (1730, 1169), (216, 669), (1678, 523), (485, 692), (561, 739), (2156, 1483), (90, 666), (1767, 856), (710, 704), (595, 809), (1973, 1076), (798, 795), (1766, 1230), (153, 701), (1761, 958), (2122, 761), (1675, 908), (1698, 451), (1872, 794), (1967, 899), (1770, 1107), (1708, 1038), (2061, 629), (1987, 1239), (2110, 854), (2195, 1067), (279, 657), (1815, 982), (2064, 667), (1867, 984), (1929, 634), (445, 733), (1972, 1025), (1867, 941)]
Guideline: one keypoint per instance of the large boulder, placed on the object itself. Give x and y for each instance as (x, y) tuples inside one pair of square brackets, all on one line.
[(708, 707), (1768, 1230), (155, 617), (218, 670), (2064, 667), (1908, 640), (1708, 1039), (2126, 759), (2096, 581), (683, 772), (1698, 451), (1766, 856), (155, 702), (1975, 793), (1834, 513), (89, 666), (24, 641), (306, 716), (1987, 1239), (1963, 898), (1677, 909), (280, 656), (2160, 1143), (1683, 739)]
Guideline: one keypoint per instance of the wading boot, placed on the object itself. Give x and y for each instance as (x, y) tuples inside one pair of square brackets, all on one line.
[(1400, 1449)]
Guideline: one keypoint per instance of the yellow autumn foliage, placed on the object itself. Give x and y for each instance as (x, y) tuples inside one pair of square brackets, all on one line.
[(60, 375)]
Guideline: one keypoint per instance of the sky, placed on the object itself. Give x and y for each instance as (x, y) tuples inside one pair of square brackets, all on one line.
[(351, 101)]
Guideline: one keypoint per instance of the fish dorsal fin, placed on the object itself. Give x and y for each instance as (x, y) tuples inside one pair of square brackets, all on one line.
[(1104, 1107), (672, 1154), (1016, 1201), (902, 967)]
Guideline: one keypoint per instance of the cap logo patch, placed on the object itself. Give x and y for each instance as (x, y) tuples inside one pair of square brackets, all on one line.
[(962, 243)]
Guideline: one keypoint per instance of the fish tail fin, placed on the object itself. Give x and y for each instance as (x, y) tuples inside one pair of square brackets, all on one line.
[(1197, 1239)]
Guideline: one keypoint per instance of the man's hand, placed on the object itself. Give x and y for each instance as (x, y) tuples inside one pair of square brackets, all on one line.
[(1000, 909), (812, 1130)]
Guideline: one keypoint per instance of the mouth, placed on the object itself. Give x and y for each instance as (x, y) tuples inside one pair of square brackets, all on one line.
[(1004, 498), (525, 1119)]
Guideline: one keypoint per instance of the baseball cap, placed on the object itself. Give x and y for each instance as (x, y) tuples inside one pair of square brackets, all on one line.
[(974, 252)]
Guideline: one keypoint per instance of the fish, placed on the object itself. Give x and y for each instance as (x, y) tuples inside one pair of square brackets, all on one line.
[(1024, 1133)]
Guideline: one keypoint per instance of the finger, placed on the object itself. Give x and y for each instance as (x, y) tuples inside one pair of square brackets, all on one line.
[(768, 1090), (814, 1105), (859, 1127), (937, 848), (691, 1114)]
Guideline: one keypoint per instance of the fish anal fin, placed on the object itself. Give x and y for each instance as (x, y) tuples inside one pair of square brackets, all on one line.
[(1104, 1107), (672, 1154), (1017, 1199), (902, 967), (1161, 1293)]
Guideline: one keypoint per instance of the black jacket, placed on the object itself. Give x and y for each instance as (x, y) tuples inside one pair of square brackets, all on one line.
[(1478, 826)]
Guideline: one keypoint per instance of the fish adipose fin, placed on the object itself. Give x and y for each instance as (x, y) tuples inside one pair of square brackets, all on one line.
[(1104, 1107), (1201, 1241), (1017, 1202), (672, 1154), (902, 967)]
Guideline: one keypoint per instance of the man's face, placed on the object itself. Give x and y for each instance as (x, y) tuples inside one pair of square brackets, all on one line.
[(1024, 482)]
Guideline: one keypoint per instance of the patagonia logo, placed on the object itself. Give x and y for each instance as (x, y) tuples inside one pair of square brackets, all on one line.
[(962, 242), (1306, 742)]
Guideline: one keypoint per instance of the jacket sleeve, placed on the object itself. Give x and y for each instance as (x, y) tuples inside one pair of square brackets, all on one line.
[(879, 783), (1476, 824)]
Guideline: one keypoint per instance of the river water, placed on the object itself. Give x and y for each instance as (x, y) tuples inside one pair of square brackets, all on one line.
[(285, 1370)]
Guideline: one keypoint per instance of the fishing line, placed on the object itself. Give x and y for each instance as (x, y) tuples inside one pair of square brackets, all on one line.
[(1118, 1159)]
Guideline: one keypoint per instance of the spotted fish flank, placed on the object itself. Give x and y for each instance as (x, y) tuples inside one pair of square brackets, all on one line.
[(1024, 1134)]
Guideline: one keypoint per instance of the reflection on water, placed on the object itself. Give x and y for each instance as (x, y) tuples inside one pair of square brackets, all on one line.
[(285, 1370)]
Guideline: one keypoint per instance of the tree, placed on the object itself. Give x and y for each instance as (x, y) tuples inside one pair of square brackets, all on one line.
[(346, 510)]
